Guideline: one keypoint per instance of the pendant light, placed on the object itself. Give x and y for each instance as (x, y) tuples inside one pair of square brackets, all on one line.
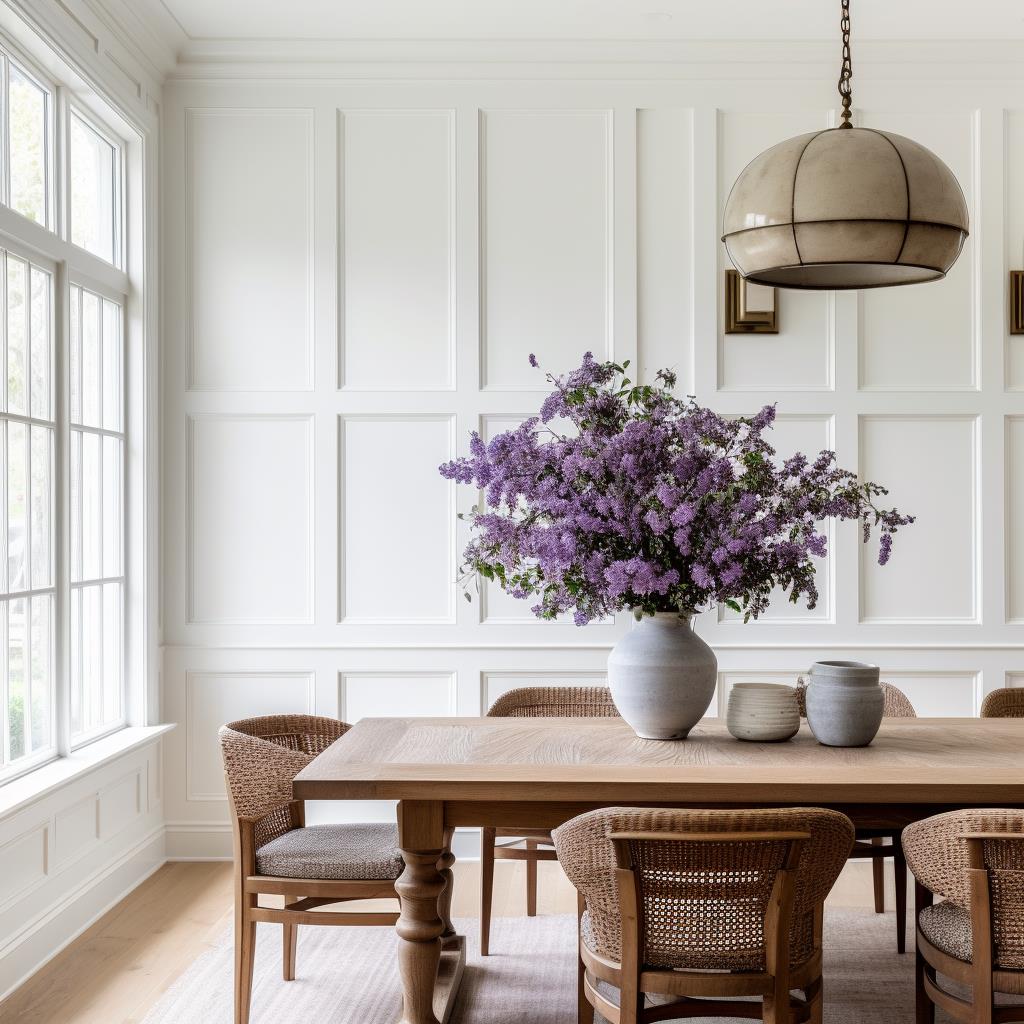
[(845, 208)]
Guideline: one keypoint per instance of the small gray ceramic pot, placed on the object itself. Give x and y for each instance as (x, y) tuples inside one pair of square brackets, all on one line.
[(844, 703)]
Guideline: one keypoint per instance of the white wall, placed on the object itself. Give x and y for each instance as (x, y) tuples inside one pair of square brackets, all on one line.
[(358, 261)]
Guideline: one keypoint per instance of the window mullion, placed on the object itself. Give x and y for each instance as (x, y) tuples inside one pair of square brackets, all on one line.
[(61, 508)]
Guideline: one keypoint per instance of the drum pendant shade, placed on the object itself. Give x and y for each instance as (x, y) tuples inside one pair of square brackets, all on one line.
[(845, 208)]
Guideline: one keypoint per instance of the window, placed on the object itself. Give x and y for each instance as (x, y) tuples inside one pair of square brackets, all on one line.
[(63, 423), (27, 602)]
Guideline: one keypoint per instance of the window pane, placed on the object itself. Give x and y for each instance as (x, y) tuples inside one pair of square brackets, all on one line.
[(17, 335), (77, 695), (111, 384), (112, 647), (75, 362), (17, 479), (92, 510), (112, 459), (40, 355), (27, 127), (41, 651), (19, 708), (91, 359), (42, 506), (93, 185)]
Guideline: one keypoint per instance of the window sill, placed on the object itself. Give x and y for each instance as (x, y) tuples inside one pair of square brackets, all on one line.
[(22, 791)]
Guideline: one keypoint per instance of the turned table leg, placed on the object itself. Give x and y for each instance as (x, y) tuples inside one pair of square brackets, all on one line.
[(429, 982), (444, 904)]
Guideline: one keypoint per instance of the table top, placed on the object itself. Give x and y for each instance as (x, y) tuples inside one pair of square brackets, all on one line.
[(923, 760)]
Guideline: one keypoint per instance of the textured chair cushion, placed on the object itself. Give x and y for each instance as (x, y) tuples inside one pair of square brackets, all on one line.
[(947, 927), (333, 851)]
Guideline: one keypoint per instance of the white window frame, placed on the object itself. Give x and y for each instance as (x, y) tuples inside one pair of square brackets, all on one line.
[(71, 265)]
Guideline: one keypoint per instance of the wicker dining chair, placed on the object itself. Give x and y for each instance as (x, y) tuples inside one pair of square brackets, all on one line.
[(706, 906), (1005, 703), (276, 854), (877, 845), (974, 859), (531, 844)]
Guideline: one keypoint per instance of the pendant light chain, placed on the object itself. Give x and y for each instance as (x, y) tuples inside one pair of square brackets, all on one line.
[(846, 72)]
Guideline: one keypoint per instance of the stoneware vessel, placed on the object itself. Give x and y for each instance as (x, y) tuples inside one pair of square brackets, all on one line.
[(763, 712), (844, 703), (662, 676)]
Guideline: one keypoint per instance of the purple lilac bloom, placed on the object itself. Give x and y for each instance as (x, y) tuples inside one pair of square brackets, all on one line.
[(652, 502)]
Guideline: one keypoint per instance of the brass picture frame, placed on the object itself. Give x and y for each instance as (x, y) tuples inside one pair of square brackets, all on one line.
[(1017, 301), (750, 308)]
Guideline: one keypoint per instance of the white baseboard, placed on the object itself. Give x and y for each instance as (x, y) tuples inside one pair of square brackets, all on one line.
[(82, 907)]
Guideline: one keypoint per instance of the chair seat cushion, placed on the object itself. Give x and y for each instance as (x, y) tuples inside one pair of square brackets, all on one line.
[(947, 927), (333, 851)]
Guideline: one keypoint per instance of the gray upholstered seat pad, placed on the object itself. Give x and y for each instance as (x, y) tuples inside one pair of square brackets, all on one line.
[(333, 851), (947, 927)]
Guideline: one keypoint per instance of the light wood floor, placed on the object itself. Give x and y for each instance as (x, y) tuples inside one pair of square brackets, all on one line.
[(115, 971)]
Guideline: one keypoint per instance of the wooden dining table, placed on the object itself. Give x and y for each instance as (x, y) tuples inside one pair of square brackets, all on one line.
[(538, 773)]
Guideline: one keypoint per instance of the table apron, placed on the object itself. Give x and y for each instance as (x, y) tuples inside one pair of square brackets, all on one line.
[(548, 814)]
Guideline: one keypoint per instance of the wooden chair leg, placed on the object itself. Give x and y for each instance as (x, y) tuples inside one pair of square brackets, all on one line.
[(245, 951), (899, 863), (289, 945), (878, 878), (924, 1008), (487, 836), (584, 1010), (531, 879), (816, 1002)]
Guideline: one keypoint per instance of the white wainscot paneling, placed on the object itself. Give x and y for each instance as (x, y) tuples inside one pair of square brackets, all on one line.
[(938, 694), (391, 694), (929, 464), (665, 243), (23, 863), (545, 237), (1015, 518), (250, 519), (925, 338), (800, 356), (494, 684), (75, 831), (398, 263), (120, 804), (249, 179), (398, 519), (1014, 232), (807, 433), (215, 698)]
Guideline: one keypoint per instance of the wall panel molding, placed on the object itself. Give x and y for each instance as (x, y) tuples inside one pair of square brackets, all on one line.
[(243, 295)]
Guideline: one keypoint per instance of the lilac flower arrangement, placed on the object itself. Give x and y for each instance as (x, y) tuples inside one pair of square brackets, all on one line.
[(653, 503)]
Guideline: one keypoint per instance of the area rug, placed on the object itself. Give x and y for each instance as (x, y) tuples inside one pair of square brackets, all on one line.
[(349, 976)]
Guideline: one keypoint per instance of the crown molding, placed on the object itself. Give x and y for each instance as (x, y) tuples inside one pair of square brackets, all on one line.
[(634, 59)]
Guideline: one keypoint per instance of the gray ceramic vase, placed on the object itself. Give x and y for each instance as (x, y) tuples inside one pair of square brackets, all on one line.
[(662, 676), (844, 703)]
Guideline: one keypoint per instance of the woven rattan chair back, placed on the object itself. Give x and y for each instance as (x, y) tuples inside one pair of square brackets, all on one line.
[(555, 702), (703, 901), (897, 704), (941, 860), (1005, 703), (261, 758)]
